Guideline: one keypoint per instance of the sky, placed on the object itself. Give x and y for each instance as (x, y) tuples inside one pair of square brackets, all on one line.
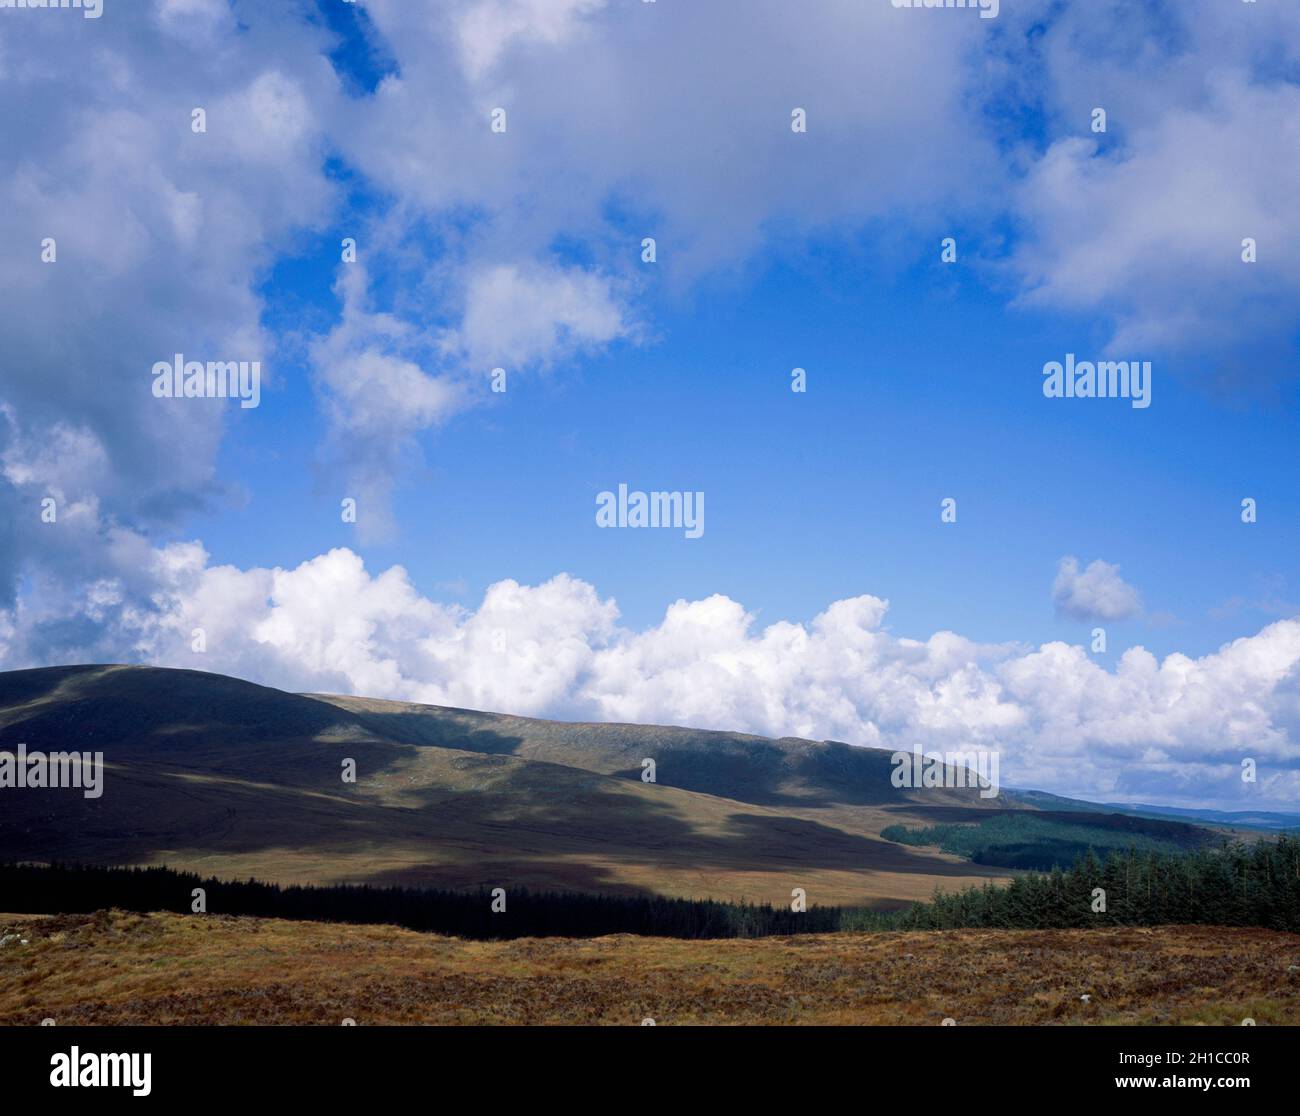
[(915, 207)]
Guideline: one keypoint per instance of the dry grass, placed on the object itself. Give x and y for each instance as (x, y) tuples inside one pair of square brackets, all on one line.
[(166, 969)]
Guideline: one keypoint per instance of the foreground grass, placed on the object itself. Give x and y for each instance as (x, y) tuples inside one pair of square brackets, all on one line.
[(166, 969)]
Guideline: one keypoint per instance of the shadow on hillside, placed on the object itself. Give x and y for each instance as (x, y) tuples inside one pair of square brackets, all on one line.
[(206, 765), (154, 708), (910, 812), (544, 821), (507, 872), (782, 774), (440, 729)]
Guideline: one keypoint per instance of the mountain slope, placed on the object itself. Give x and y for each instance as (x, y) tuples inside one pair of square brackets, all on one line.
[(229, 778), (784, 772)]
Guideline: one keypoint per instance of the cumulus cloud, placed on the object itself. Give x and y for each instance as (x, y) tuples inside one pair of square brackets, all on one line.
[(377, 377), (1094, 593), (1145, 222), (165, 237), (600, 150), (487, 27), (532, 314), (1154, 233), (160, 237), (1176, 728), (681, 117), (195, 20)]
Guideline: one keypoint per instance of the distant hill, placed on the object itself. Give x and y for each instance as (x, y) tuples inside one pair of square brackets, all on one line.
[(1220, 819), (227, 778), (1236, 819)]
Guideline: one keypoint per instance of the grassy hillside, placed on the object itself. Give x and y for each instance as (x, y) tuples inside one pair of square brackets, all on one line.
[(787, 772), (226, 778), (167, 970)]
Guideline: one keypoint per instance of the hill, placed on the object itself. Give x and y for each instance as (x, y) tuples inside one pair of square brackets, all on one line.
[(231, 779)]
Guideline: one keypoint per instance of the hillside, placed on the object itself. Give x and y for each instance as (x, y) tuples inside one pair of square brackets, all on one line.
[(231, 779)]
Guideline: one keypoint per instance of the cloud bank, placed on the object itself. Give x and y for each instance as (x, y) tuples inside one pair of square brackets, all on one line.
[(1178, 727)]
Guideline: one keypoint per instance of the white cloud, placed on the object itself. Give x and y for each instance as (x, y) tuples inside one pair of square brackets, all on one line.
[(1094, 593), (372, 372), (162, 238), (680, 115), (673, 118), (468, 250), (1202, 149), (196, 21), (1176, 728), (487, 27), (526, 315), (385, 378), (1154, 233)]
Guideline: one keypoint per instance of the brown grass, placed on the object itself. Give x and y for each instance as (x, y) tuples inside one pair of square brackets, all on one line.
[(167, 969)]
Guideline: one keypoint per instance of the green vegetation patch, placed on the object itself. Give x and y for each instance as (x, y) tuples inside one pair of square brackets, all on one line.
[(1042, 841)]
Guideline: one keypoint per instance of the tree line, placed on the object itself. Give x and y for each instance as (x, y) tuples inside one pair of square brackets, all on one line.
[(1233, 885), (79, 889)]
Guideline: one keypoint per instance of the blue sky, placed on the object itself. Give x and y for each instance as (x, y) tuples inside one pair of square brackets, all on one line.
[(923, 384), (196, 533)]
